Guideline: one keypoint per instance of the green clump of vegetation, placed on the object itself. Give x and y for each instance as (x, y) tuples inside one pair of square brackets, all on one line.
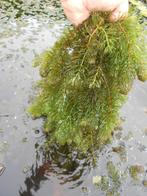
[(112, 193), (113, 173), (109, 184), (135, 170), (140, 6), (104, 183), (144, 183), (86, 77)]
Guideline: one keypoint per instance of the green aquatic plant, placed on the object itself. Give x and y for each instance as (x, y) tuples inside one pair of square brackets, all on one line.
[(86, 77), (114, 174), (140, 6), (135, 170), (144, 183), (111, 183)]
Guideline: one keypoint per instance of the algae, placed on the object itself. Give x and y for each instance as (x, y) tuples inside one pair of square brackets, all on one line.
[(86, 77), (144, 183), (111, 183), (105, 183), (121, 151), (112, 193), (96, 180), (135, 170), (114, 174)]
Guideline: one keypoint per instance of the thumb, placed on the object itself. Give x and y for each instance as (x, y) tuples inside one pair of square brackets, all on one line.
[(119, 13), (75, 11)]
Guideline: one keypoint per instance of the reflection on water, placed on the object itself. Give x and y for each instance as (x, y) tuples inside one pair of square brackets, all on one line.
[(68, 167)]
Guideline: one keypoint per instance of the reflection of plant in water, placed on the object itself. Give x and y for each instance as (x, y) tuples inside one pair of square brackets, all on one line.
[(33, 182), (70, 165), (67, 165)]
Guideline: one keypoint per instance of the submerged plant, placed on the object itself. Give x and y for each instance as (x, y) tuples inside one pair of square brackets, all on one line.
[(86, 77), (135, 170), (114, 174)]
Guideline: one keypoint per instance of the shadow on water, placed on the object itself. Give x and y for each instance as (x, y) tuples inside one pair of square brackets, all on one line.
[(66, 165)]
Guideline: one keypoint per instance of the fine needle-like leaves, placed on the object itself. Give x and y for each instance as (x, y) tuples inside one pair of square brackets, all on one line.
[(86, 77)]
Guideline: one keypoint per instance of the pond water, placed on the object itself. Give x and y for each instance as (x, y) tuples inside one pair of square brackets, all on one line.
[(26, 29)]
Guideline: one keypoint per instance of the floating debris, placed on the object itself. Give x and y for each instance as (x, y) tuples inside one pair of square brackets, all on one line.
[(105, 183), (26, 169), (144, 183), (118, 149), (121, 151), (135, 170), (114, 174), (96, 180), (102, 182), (112, 193), (24, 140), (85, 190)]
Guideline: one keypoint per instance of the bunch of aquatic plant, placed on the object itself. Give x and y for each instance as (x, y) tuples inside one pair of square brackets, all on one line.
[(86, 77)]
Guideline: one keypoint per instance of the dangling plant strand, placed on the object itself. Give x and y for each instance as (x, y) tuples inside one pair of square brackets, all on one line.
[(86, 77)]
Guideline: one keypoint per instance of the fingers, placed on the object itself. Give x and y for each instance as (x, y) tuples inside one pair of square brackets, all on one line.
[(75, 11), (120, 12), (76, 18), (78, 11)]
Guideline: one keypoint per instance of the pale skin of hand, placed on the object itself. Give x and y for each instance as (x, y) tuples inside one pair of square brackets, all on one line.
[(78, 11)]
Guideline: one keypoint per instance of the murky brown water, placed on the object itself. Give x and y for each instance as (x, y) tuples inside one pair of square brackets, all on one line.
[(32, 171)]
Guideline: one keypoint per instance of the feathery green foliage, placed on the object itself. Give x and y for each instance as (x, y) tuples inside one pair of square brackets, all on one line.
[(86, 77)]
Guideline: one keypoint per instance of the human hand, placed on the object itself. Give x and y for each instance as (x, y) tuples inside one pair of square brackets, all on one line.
[(79, 10)]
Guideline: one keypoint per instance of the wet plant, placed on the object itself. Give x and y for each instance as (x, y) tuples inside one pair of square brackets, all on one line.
[(86, 77)]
